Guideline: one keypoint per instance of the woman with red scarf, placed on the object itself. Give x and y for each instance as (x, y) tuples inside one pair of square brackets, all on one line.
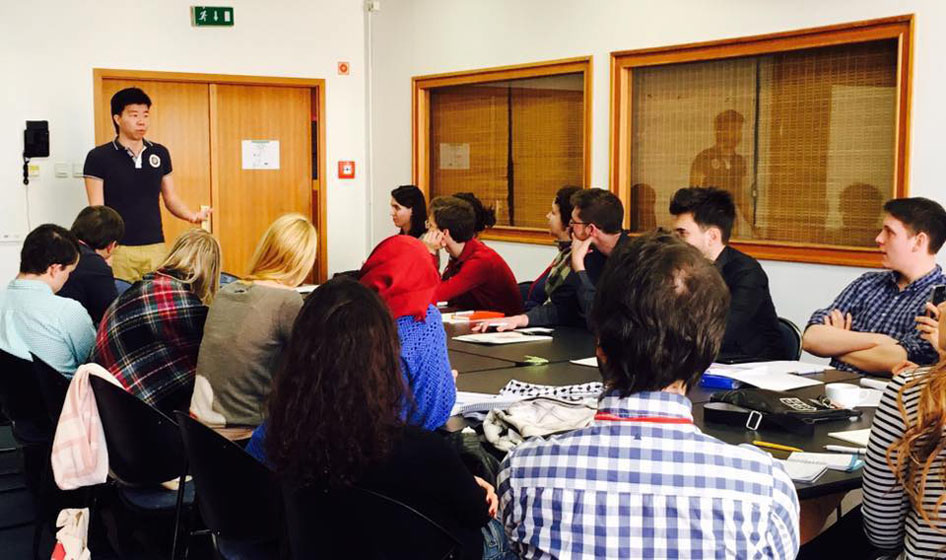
[(401, 271)]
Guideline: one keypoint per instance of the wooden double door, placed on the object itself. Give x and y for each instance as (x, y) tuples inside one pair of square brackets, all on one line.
[(204, 122)]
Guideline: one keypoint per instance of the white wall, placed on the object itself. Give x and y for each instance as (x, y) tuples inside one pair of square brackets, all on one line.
[(433, 36), (48, 50)]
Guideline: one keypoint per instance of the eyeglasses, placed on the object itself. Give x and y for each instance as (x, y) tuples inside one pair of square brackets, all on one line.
[(576, 223)]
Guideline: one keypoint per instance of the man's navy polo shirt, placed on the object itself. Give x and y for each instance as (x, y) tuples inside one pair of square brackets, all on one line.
[(132, 186)]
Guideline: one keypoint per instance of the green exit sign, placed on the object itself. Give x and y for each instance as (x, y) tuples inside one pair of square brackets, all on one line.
[(212, 15)]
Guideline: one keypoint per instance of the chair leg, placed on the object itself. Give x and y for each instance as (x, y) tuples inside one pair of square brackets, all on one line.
[(177, 514)]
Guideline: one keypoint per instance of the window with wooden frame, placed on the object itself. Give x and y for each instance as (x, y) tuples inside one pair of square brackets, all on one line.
[(807, 129), (512, 136)]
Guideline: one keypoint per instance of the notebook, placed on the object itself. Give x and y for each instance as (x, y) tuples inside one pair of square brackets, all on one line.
[(845, 462), (857, 437), (507, 337), (803, 472), (468, 402), (762, 377)]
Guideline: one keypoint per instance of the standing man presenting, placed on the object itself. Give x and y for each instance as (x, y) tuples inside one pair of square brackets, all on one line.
[(129, 174)]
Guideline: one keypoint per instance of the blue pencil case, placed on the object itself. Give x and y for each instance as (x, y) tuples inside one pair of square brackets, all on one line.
[(710, 381)]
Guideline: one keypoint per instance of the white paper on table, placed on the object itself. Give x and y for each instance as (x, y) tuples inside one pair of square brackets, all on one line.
[(762, 377), (803, 472), (590, 362), (857, 437), (872, 399), (787, 366), (306, 288), (507, 337)]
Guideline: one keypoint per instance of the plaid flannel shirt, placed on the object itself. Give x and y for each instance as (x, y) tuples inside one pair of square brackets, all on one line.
[(149, 338), (878, 305), (631, 489)]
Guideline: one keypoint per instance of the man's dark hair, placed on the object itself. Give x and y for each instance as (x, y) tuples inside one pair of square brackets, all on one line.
[(98, 226), (47, 245), (485, 217), (711, 207), (659, 314), (599, 207), (409, 196), (920, 215), (454, 214), (126, 97), (563, 199)]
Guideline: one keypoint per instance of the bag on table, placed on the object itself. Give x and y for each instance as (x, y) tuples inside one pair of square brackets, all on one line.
[(763, 409)]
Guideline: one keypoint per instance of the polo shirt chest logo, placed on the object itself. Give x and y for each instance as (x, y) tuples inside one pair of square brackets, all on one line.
[(154, 160)]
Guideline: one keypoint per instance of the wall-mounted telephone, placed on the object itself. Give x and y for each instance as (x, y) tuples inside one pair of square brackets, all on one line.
[(35, 144)]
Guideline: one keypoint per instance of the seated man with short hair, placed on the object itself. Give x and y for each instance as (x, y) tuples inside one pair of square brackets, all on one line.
[(56, 329), (98, 229), (595, 222), (476, 277), (871, 327), (703, 217), (643, 481)]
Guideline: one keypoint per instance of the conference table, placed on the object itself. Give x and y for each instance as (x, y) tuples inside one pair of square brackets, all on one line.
[(488, 368)]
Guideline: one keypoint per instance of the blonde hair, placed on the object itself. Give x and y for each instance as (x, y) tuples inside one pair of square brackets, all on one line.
[(196, 255), (286, 252)]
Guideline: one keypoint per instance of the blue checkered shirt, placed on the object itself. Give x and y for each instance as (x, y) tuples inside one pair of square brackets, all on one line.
[(878, 305), (646, 490)]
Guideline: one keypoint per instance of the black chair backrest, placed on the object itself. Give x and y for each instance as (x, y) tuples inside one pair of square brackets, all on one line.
[(53, 386), (144, 445), (21, 397), (237, 495), (791, 339), (360, 523), (121, 285)]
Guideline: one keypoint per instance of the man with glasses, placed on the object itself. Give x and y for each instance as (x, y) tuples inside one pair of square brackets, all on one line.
[(595, 219), (596, 222)]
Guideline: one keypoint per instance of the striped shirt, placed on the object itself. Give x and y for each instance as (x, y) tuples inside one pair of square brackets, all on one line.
[(57, 329), (644, 489), (878, 305), (889, 519)]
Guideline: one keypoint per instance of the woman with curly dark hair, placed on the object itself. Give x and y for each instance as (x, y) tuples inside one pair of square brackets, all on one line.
[(335, 420), (485, 216)]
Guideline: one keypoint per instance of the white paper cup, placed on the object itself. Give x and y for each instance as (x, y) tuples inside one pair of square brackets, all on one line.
[(846, 394)]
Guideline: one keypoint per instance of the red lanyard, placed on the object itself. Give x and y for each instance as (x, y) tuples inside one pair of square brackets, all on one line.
[(650, 419)]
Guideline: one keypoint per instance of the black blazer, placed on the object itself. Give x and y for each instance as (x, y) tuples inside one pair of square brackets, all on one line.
[(752, 329), (91, 284)]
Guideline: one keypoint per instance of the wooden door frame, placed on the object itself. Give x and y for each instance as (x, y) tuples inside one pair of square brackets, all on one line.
[(314, 85)]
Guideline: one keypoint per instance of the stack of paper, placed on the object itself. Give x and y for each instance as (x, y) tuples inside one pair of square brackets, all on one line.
[(846, 462), (507, 337), (803, 472), (762, 377)]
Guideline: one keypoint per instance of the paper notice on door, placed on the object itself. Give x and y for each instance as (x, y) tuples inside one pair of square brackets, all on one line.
[(454, 156), (260, 154)]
